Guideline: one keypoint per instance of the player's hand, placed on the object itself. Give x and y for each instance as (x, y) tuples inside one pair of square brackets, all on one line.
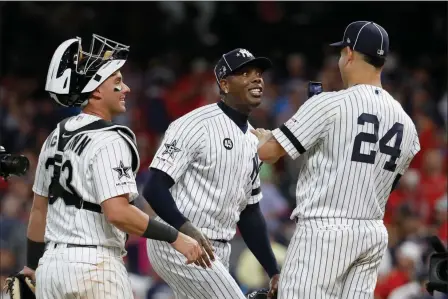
[(28, 272), (273, 286), (262, 135), (207, 248), (188, 246)]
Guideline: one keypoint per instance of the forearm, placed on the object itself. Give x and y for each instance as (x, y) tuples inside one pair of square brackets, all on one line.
[(254, 232), (36, 231), (156, 192), (131, 220), (269, 150), (36, 225)]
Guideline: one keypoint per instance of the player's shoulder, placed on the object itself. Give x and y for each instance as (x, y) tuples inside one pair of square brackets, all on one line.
[(197, 117), (329, 97)]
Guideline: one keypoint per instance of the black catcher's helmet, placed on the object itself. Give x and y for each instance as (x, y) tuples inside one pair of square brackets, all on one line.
[(73, 73)]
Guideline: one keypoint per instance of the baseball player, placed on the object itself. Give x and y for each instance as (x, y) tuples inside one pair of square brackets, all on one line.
[(85, 182), (355, 143), (204, 182)]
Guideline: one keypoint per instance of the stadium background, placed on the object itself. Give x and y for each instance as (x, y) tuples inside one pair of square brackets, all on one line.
[(173, 48)]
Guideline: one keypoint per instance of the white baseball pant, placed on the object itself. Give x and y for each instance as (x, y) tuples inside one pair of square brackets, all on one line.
[(191, 281), (82, 273), (333, 259)]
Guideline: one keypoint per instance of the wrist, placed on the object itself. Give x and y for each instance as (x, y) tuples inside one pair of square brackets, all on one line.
[(273, 272), (186, 226), (180, 222), (161, 232)]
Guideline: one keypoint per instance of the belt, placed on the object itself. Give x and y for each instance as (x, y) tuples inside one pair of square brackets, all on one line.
[(220, 240), (74, 245)]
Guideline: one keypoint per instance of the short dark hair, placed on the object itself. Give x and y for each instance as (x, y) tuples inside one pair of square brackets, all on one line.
[(377, 62)]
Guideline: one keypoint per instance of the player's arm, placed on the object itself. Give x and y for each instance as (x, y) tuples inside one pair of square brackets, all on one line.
[(253, 229), (269, 149), (115, 186), (180, 146), (414, 149), (38, 214), (301, 132), (36, 232)]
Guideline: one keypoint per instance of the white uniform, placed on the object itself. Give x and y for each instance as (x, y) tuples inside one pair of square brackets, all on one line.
[(97, 166), (215, 167), (354, 144)]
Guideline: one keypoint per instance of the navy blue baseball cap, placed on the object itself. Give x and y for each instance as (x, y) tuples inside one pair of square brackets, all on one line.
[(234, 60), (365, 37)]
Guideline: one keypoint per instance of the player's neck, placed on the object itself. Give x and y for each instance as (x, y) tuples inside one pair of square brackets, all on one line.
[(238, 117), (97, 112), (238, 109), (367, 78)]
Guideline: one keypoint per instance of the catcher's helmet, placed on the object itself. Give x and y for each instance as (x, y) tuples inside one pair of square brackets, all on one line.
[(259, 294), (73, 74)]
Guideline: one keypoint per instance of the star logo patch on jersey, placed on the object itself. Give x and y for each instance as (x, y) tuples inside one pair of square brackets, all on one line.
[(122, 171), (171, 149)]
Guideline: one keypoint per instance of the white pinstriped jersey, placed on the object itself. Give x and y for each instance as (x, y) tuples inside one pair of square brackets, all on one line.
[(354, 143), (97, 165), (214, 165)]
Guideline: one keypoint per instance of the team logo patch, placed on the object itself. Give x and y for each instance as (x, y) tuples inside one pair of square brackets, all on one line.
[(122, 171), (228, 144), (171, 149)]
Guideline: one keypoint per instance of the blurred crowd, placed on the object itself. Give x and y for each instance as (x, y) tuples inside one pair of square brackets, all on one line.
[(170, 84)]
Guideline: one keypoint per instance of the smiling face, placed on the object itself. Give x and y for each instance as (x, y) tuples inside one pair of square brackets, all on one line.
[(112, 94), (246, 85)]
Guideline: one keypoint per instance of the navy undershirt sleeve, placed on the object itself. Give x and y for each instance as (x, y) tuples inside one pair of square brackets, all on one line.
[(157, 193), (253, 229)]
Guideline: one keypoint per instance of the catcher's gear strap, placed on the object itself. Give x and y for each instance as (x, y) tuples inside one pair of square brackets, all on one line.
[(35, 250), (20, 287), (72, 198)]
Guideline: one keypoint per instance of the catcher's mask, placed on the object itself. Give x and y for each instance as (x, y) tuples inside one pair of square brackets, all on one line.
[(259, 294), (73, 73)]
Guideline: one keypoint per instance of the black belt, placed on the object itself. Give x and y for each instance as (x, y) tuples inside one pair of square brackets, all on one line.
[(75, 245), (220, 240)]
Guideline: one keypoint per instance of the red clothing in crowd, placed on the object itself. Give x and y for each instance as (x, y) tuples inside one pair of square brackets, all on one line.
[(187, 94), (428, 140), (395, 279), (433, 188)]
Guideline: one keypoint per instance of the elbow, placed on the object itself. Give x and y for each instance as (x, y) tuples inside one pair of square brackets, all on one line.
[(115, 218), (115, 210)]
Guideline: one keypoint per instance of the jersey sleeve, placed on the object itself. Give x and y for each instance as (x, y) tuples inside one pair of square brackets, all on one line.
[(43, 173), (414, 149), (112, 172), (180, 146), (307, 126), (41, 178)]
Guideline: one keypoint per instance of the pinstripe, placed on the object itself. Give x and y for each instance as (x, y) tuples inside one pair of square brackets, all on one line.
[(213, 206), (66, 273), (195, 282), (161, 270), (334, 190)]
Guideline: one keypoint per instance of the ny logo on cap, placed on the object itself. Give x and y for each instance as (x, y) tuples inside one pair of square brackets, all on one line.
[(380, 52), (245, 53)]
